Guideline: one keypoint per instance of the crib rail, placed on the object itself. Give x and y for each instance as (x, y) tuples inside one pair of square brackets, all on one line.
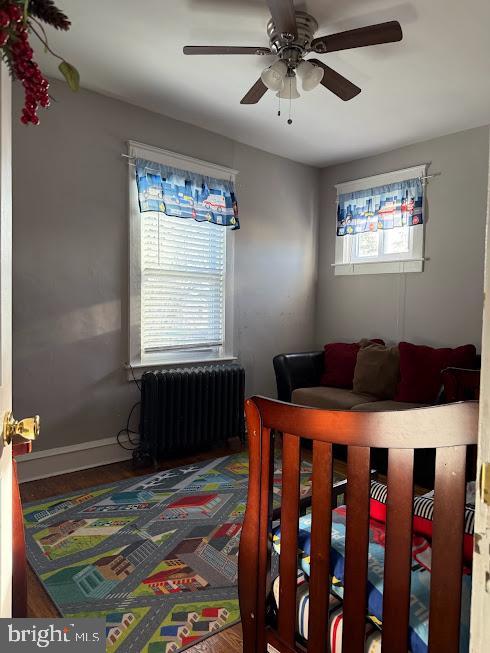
[(450, 429)]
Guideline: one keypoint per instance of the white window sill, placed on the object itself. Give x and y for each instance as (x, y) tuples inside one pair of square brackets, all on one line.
[(379, 267), (139, 368)]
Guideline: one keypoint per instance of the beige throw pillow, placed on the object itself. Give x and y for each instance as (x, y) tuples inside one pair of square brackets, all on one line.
[(377, 371)]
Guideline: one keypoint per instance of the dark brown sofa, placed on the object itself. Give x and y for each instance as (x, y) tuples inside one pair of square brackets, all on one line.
[(298, 381)]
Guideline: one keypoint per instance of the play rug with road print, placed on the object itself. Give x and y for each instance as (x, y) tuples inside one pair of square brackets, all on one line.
[(155, 555)]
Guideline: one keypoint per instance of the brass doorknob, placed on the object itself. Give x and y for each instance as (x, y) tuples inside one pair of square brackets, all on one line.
[(26, 428)]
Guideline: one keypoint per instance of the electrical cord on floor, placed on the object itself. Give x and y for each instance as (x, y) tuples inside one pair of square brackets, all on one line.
[(138, 385), (129, 431)]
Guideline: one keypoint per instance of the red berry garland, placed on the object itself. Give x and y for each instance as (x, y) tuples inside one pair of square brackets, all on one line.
[(28, 72), (4, 19), (18, 54)]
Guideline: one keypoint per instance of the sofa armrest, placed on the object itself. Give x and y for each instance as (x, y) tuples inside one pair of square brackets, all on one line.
[(460, 384), (303, 370)]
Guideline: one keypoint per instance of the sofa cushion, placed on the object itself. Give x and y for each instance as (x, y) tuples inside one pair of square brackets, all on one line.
[(340, 361), (377, 371), (388, 404), (421, 367), (329, 398)]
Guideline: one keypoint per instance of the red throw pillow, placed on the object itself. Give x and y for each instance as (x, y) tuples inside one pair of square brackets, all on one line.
[(421, 367), (340, 362)]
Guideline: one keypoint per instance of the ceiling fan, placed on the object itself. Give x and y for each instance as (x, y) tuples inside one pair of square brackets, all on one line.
[(291, 39)]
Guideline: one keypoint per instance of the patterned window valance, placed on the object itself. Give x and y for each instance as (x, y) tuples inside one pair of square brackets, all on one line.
[(186, 194), (384, 207)]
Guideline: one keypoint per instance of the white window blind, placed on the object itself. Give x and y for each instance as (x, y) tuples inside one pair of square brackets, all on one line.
[(182, 284)]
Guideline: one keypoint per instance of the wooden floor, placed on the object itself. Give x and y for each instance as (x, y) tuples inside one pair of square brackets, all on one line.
[(38, 602)]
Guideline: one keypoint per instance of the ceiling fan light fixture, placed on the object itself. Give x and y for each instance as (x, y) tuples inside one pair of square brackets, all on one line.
[(291, 38), (274, 76), (310, 75), (290, 89)]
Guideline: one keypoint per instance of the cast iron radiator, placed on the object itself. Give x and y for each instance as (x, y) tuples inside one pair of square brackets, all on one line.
[(189, 409)]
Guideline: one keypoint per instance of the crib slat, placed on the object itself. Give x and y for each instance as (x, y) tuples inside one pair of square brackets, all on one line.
[(321, 529), (263, 583), (356, 552), (288, 563), (447, 550), (398, 551), (248, 557)]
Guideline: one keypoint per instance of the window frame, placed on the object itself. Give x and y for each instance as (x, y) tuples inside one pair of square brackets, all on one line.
[(138, 360), (346, 260)]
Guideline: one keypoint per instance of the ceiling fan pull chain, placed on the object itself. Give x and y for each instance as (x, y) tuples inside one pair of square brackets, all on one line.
[(290, 120), (279, 106)]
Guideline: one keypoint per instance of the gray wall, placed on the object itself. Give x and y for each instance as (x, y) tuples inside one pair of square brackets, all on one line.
[(441, 306), (70, 273)]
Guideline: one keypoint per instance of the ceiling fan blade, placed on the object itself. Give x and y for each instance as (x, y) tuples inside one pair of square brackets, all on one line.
[(224, 49), (284, 16), (257, 91), (336, 82), (358, 38)]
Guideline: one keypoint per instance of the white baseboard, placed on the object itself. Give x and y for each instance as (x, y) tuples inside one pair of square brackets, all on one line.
[(63, 460)]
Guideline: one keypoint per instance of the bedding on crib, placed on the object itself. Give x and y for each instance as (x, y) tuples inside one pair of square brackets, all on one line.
[(420, 584)]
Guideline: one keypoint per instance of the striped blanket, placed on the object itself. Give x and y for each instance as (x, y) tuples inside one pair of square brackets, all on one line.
[(420, 578)]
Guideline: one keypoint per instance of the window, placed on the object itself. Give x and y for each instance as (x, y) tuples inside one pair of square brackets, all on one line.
[(181, 275), (182, 285), (382, 245), (381, 222)]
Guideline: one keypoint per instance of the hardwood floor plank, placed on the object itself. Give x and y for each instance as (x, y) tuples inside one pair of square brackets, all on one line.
[(64, 483), (229, 641), (39, 603)]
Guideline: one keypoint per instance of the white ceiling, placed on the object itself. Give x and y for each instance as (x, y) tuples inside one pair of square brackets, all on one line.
[(436, 81)]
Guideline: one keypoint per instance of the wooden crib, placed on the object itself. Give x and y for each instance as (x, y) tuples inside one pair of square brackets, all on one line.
[(450, 429)]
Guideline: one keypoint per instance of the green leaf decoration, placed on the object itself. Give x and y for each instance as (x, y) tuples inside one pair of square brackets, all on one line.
[(71, 75)]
